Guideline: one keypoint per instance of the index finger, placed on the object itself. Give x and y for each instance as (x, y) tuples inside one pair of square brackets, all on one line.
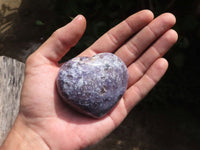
[(116, 36)]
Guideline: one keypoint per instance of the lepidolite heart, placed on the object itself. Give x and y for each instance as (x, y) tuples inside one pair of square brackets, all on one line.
[(93, 85)]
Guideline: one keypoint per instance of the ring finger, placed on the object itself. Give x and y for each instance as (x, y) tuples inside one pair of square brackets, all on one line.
[(133, 48)]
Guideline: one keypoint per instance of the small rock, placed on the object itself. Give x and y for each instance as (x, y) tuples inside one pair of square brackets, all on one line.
[(93, 85)]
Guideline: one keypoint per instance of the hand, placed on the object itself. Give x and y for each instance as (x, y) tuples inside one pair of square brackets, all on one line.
[(140, 41)]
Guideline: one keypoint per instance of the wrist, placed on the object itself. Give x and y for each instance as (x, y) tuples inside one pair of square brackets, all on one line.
[(21, 137)]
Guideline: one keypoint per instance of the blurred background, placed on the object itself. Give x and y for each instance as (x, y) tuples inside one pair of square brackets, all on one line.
[(168, 118)]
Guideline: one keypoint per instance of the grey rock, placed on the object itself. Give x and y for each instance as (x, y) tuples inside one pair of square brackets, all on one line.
[(93, 85), (11, 80)]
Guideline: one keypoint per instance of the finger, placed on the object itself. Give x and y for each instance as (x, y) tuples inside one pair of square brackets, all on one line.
[(137, 91), (157, 50), (141, 88), (63, 39), (116, 36), (130, 51)]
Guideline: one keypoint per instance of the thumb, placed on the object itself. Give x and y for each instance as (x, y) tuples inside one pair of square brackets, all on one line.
[(63, 39)]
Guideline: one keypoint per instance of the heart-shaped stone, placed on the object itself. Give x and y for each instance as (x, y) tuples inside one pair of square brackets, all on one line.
[(93, 85)]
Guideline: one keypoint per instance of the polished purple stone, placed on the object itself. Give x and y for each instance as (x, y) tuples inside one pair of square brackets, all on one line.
[(93, 85)]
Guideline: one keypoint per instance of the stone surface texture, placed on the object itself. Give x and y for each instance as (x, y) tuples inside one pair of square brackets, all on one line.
[(11, 80), (93, 85)]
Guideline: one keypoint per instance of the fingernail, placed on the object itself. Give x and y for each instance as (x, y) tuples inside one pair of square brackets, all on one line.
[(78, 17)]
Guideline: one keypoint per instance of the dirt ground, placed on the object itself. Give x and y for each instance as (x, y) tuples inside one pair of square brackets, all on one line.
[(147, 127)]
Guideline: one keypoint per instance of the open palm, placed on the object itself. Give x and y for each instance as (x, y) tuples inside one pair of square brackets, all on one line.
[(140, 41)]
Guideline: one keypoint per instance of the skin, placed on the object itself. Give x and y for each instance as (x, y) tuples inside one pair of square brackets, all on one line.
[(45, 122)]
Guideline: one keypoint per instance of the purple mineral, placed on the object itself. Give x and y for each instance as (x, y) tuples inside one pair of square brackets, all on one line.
[(93, 85)]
